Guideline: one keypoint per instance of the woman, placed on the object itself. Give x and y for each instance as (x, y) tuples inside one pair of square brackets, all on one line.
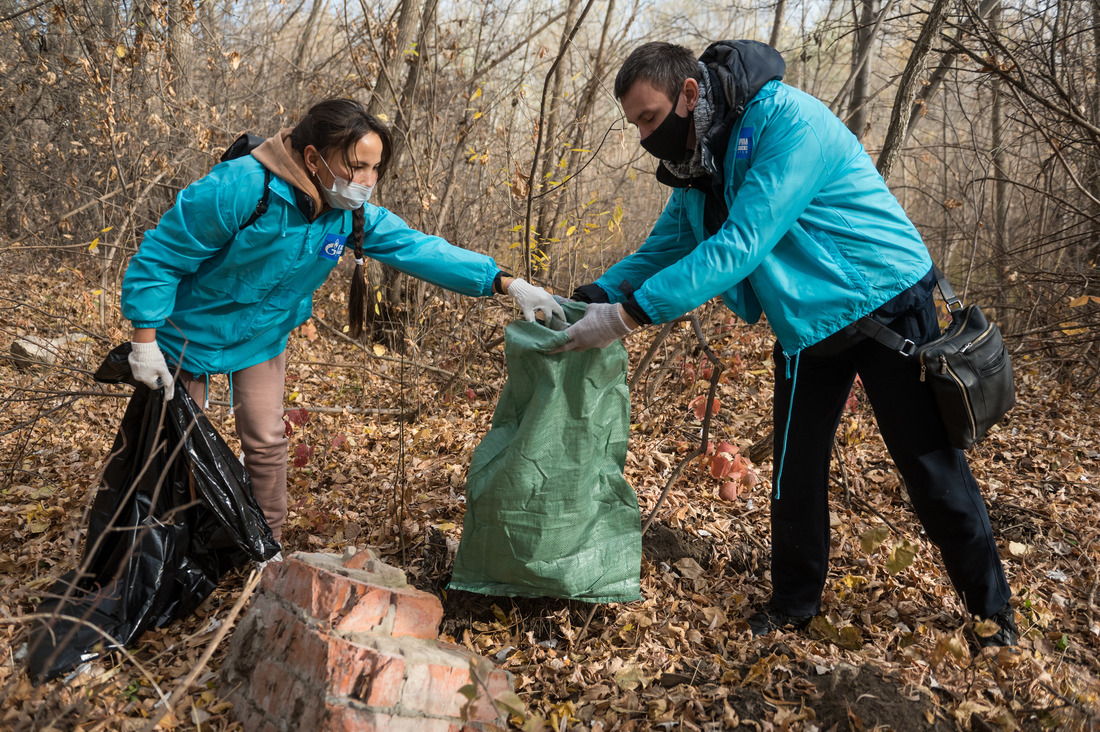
[(219, 291)]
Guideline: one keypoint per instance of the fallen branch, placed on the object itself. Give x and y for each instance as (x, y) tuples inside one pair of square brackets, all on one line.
[(114, 644), (372, 354), (181, 688)]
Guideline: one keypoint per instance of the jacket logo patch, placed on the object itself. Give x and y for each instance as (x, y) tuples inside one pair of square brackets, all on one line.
[(744, 145), (333, 247)]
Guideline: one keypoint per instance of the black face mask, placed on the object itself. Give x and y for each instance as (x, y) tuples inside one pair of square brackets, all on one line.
[(669, 140)]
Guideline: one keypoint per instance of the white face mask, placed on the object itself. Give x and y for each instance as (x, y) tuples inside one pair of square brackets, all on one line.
[(345, 194)]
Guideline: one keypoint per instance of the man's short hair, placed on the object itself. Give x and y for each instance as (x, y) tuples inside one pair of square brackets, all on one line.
[(664, 65)]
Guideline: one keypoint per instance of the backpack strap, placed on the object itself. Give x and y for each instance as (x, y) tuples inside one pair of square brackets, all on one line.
[(261, 207)]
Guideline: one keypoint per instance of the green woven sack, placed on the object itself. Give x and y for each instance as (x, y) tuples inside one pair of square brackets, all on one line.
[(548, 512)]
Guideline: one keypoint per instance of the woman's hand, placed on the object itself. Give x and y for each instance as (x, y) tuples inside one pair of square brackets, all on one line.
[(532, 299), (148, 365)]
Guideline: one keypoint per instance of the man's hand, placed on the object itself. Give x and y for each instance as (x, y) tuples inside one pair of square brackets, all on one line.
[(602, 325), (147, 363), (532, 299)]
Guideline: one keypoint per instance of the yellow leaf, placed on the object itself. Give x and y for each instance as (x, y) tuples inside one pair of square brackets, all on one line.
[(97, 292), (902, 556), (445, 526), (476, 94), (294, 395), (379, 349), (852, 581), (104, 231), (93, 245), (570, 230), (120, 51), (1071, 328), (871, 538), (1078, 301)]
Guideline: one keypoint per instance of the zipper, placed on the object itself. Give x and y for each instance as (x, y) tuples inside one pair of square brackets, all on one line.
[(981, 337), (961, 388)]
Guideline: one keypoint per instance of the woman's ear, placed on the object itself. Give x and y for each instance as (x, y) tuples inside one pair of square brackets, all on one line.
[(310, 156)]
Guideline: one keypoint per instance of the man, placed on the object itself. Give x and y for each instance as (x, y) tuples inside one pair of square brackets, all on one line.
[(777, 208)]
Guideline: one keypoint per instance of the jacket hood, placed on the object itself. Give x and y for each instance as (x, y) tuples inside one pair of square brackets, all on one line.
[(276, 154), (738, 70)]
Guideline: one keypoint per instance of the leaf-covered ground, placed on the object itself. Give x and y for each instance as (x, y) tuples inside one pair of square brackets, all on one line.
[(380, 451)]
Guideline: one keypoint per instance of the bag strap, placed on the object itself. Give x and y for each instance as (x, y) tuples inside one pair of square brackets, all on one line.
[(948, 295), (261, 207), (871, 328)]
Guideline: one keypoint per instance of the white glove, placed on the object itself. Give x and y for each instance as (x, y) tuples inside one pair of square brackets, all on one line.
[(532, 299), (147, 364), (601, 326)]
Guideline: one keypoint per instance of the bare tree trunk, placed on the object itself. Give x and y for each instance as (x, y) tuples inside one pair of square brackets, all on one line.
[(1093, 175), (1000, 174), (907, 88), (181, 42), (777, 24), (864, 57), (947, 62), (384, 286), (859, 114), (304, 40), (385, 91), (545, 223), (584, 110)]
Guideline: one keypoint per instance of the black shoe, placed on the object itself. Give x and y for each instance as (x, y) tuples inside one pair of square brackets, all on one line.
[(769, 619), (1008, 635)]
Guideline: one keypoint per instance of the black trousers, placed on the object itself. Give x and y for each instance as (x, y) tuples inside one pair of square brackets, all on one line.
[(942, 489)]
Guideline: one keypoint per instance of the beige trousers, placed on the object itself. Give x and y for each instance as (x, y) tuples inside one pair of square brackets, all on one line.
[(257, 398)]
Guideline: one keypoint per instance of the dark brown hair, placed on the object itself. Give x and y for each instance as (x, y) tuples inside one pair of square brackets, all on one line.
[(336, 125), (664, 65)]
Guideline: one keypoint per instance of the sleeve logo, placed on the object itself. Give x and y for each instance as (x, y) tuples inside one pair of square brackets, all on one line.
[(744, 145)]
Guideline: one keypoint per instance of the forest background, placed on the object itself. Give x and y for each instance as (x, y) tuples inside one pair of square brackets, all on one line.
[(985, 119)]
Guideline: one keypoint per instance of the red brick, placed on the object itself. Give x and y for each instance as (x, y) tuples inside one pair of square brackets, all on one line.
[(418, 614), (360, 559), (368, 612), (271, 685), (347, 603), (367, 674), (499, 681), (356, 719), (347, 669), (275, 628), (432, 688), (273, 578), (304, 589)]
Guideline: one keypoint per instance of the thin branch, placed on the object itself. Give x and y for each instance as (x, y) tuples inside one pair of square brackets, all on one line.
[(181, 688), (704, 438), (538, 141)]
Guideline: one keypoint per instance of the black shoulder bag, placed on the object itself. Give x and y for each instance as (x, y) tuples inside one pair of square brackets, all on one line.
[(968, 368)]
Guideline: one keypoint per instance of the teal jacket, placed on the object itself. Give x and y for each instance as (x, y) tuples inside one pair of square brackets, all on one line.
[(813, 238), (224, 298)]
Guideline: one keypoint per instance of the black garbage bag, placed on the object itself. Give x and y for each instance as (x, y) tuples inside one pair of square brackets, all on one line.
[(175, 512)]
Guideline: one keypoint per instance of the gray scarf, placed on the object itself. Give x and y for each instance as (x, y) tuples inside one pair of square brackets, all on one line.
[(703, 114)]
